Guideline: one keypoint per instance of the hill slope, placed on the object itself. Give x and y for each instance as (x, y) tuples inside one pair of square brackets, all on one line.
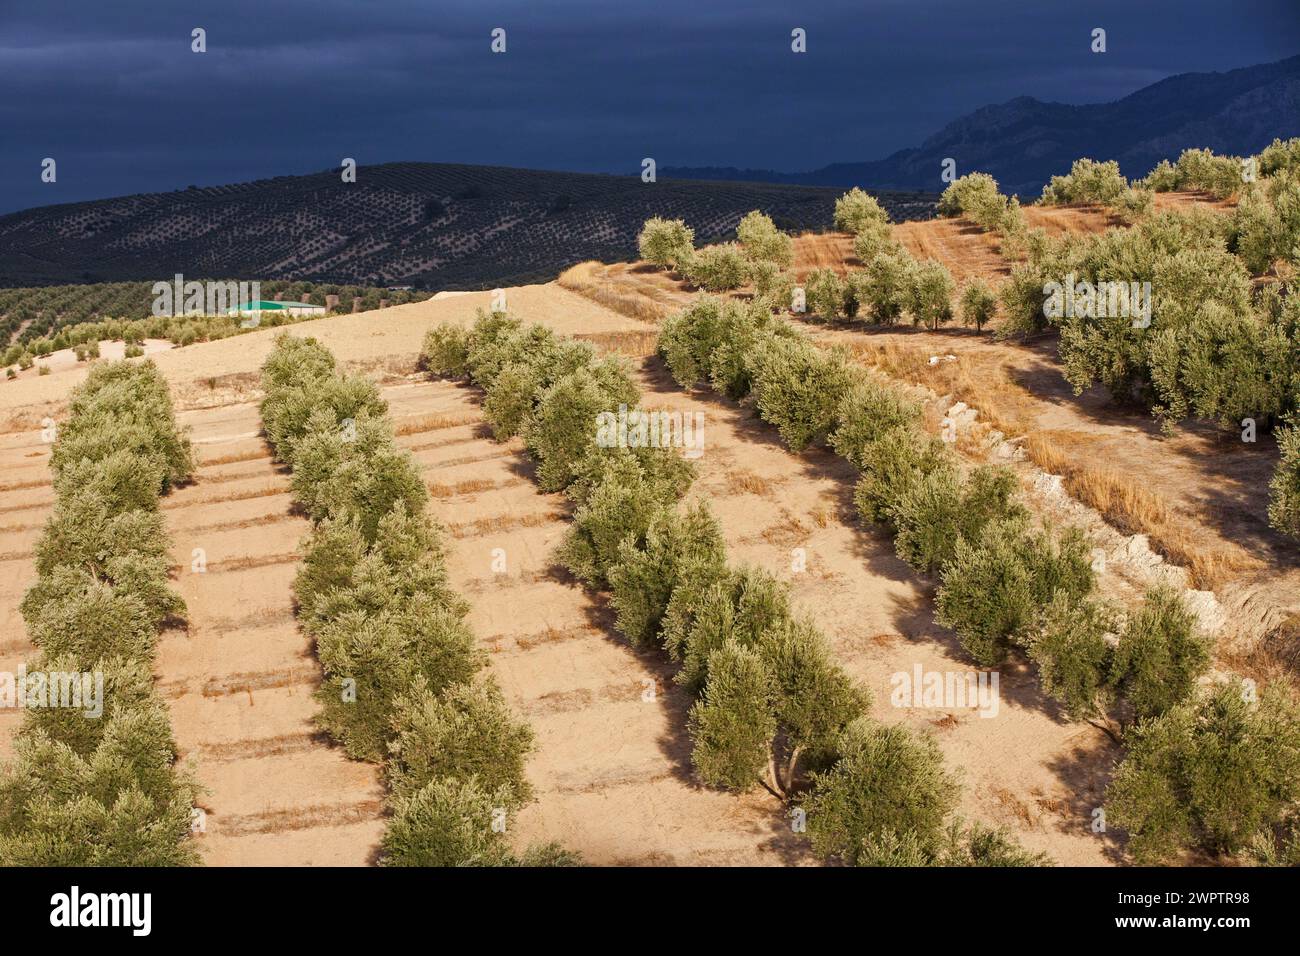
[(1025, 141), (428, 225)]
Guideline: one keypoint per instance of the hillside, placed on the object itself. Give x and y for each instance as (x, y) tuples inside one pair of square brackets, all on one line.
[(1025, 141), (428, 225)]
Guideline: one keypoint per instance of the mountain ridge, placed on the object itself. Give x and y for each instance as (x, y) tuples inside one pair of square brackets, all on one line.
[(1024, 141)]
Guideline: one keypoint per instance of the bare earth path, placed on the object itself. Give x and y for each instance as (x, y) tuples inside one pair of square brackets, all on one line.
[(239, 682)]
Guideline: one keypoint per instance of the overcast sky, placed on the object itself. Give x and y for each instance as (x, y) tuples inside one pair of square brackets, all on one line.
[(112, 91)]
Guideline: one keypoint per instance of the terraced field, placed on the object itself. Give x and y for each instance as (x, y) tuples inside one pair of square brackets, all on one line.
[(612, 767)]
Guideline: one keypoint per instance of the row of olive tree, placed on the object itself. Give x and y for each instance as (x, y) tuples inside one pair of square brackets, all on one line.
[(815, 397), (772, 709), (759, 255), (87, 789), (893, 283), (1006, 585), (1169, 314), (404, 683)]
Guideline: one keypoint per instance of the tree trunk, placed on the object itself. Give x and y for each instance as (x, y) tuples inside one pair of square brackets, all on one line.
[(790, 766)]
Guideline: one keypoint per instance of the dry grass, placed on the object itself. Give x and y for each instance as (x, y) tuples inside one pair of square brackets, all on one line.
[(1276, 657), (787, 532), (631, 344), (23, 485), (468, 487), (983, 385), (430, 423), (1131, 507), (744, 482), (1120, 499), (626, 296), (257, 454), (474, 529)]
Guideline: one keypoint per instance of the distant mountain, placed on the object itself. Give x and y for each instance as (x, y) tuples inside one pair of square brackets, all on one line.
[(427, 225), (1025, 141)]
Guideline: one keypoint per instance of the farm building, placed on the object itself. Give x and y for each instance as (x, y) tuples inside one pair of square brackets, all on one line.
[(264, 305)]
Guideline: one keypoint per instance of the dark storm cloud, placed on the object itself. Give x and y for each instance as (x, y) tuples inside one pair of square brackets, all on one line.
[(112, 91)]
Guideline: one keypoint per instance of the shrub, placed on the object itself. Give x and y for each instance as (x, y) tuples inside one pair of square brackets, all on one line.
[(978, 304), (799, 388), (123, 480), (1163, 177), (1219, 366), (815, 699), (358, 472), (509, 406), (740, 606), (1087, 182), (767, 707), (1202, 169), (763, 242), (370, 659), (930, 296), (978, 845), (335, 401), (665, 474), (1160, 654), (857, 210), (976, 197), (887, 286), (718, 268), (868, 410), (968, 193), (645, 575), (891, 463), (1133, 204), (127, 688), (1256, 231), (1284, 488), (732, 724), (85, 531), (1068, 643), (961, 845), (446, 351), (873, 239), (123, 805), (771, 282), (667, 243), (886, 780), (448, 822), (938, 510), (734, 357), (825, 294), (89, 620), (1208, 774), (993, 589), (1279, 155), (465, 734), (687, 339), (565, 423), (124, 406), (614, 512), (496, 340)]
